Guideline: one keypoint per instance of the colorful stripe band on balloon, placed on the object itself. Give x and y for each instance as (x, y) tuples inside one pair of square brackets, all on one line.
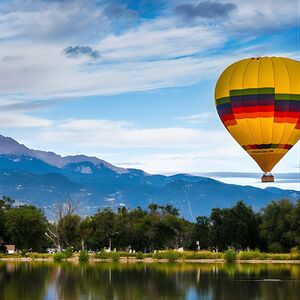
[(268, 146), (259, 103)]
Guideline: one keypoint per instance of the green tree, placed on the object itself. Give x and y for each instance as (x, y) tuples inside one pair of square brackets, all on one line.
[(69, 231), (279, 225), (136, 223), (25, 226), (296, 224), (86, 230), (245, 225), (236, 227), (2, 228), (66, 230), (103, 229), (201, 232)]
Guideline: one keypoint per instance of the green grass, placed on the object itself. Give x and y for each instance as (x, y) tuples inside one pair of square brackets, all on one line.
[(257, 255), (34, 255), (202, 255), (170, 255), (250, 255), (15, 255), (279, 256), (115, 256)]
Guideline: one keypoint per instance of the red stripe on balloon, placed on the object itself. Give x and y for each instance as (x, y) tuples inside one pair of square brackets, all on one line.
[(286, 114)]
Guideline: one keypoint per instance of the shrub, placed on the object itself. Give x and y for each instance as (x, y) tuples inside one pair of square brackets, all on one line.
[(68, 252), (230, 255), (83, 256), (115, 256), (57, 257), (23, 253)]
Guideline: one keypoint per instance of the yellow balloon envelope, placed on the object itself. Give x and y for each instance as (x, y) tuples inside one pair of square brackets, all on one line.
[(258, 101)]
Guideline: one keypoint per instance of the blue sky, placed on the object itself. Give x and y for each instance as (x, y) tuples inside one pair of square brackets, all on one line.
[(132, 82)]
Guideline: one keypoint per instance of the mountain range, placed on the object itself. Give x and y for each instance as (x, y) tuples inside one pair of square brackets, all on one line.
[(45, 178)]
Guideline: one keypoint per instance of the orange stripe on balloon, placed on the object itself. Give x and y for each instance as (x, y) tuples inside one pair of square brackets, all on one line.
[(230, 123), (285, 120)]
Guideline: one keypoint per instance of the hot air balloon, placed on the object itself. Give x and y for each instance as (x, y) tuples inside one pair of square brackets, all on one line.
[(258, 101)]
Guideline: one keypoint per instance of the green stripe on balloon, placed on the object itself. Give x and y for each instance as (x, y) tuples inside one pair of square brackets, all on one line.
[(252, 91)]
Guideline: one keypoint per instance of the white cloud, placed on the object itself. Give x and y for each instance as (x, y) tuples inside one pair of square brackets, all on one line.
[(197, 118), (154, 54), (157, 53), (249, 17), (20, 120), (119, 134), (259, 16), (169, 149), (16, 114), (42, 20), (154, 150), (160, 39), (42, 71)]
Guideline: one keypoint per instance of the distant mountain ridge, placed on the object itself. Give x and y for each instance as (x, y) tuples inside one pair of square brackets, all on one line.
[(45, 178), (10, 146)]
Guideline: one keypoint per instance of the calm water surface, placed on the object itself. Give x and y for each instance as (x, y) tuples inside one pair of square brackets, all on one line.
[(148, 281)]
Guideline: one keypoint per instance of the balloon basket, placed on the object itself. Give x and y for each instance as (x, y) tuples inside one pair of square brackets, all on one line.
[(267, 178)]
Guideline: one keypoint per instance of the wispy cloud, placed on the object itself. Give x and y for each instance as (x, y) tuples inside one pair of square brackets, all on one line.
[(159, 40), (267, 16), (120, 134), (120, 49), (51, 20), (197, 118), (21, 120), (155, 53), (34, 77)]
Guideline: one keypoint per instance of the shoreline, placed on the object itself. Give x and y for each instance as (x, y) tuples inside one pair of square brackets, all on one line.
[(150, 260)]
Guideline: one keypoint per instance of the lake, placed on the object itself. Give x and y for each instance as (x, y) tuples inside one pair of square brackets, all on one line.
[(116, 281)]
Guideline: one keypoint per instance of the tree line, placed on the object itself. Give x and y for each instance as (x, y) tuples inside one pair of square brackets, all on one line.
[(276, 228)]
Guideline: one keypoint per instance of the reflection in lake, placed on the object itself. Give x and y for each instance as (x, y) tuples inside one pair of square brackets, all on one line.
[(148, 281)]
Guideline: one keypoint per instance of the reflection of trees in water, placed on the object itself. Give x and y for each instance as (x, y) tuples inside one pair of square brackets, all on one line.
[(117, 281), (252, 282), (175, 281), (24, 281)]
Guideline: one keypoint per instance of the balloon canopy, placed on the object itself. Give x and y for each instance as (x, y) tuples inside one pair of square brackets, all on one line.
[(258, 101)]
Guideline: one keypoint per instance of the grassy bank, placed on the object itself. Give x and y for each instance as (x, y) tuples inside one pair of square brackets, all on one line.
[(161, 256)]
